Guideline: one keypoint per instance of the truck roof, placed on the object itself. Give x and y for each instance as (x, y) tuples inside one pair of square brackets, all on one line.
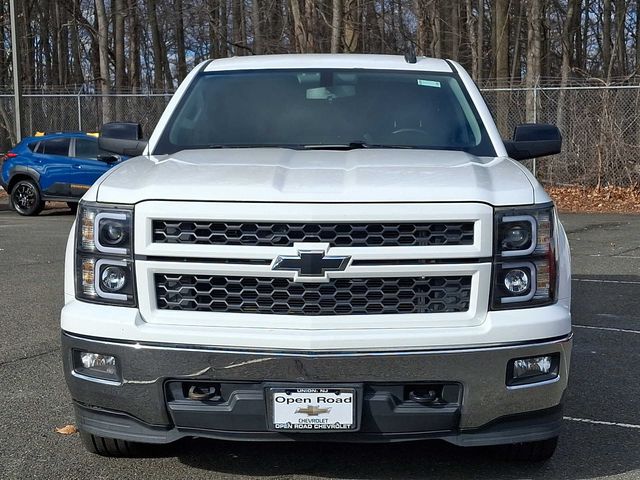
[(323, 60)]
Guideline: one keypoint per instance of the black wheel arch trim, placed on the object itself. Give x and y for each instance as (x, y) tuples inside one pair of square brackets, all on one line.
[(21, 170)]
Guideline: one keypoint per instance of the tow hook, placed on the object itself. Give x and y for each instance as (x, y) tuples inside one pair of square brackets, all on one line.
[(427, 397), (198, 392)]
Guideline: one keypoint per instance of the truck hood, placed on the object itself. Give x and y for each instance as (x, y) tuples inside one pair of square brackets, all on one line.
[(285, 175)]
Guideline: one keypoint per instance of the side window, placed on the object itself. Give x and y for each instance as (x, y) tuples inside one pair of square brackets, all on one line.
[(35, 147), (87, 149), (56, 146)]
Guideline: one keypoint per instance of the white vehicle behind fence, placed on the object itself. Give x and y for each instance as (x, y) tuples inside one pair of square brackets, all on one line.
[(320, 247)]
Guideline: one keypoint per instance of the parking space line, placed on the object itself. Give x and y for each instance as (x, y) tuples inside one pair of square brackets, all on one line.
[(601, 422), (609, 329), (594, 280)]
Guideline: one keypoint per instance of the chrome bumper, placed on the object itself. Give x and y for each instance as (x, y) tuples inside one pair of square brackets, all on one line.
[(480, 371)]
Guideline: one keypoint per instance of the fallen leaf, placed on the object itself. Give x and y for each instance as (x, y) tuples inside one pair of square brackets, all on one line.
[(67, 430), (607, 199)]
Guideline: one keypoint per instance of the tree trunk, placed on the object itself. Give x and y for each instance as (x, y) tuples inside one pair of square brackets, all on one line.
[(637, 28), (502, 41), (454, 18), (156, 42), (118, 41), (351, 32), (237, 17), (299, 27), (76, 49), (214, 21), (480, 42), (607, 60), (180, 47), (134, 36), (103, 52), (471, 32), (502, 62), (620, 44), (565, 69), (336, 25), (436, 29), (534, 50), (257, 27), (516, 65)]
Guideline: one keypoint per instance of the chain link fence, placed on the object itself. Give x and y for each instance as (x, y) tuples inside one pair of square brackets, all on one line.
[(84, 112), (600, 129), (600, 125)]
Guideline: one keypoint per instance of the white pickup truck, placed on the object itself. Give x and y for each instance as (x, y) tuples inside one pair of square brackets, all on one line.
[(320, 247)]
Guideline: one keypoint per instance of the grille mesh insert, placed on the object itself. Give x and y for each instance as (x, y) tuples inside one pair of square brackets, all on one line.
[(336, 234), (352, 296)]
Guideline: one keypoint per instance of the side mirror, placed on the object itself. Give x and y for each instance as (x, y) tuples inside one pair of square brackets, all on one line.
[(532, 140), (109, 158), (123, 138)]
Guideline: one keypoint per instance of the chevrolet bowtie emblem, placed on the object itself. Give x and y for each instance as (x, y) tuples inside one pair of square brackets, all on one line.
[(313, 410), (310, 263)]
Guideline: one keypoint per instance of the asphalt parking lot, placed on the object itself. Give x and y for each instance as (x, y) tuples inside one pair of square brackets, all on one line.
[(601, 437)]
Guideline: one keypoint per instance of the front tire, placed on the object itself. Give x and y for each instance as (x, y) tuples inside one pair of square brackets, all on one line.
[(109, 447), (528, 451), (26, 199)]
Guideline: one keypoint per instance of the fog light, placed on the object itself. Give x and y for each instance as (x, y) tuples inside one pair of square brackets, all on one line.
[(526, 367), (533, 369), (96, 365), (516, 281), (113, 278)]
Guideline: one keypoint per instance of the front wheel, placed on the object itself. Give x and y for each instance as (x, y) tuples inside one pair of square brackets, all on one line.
[(528, 451), (25, 198)]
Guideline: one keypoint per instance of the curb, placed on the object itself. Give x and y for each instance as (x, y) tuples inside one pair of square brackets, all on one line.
[(4, 202)]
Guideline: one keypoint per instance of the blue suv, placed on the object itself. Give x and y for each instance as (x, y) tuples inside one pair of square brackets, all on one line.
[(57, 167)]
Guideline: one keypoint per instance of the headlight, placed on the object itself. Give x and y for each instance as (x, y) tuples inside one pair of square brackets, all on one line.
[(524, 262), (104, 254)]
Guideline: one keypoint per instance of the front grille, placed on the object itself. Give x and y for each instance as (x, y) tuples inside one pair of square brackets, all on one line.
[(352, 296), (336, 234)]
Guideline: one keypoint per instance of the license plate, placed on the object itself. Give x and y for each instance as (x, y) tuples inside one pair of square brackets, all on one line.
[(317, 409)]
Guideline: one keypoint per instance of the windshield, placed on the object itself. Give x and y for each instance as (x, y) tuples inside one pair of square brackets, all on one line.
[(318, 109)]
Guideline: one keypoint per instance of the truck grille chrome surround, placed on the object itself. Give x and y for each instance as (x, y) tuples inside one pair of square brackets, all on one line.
[(277, 306), (335, 234), (342, 296)]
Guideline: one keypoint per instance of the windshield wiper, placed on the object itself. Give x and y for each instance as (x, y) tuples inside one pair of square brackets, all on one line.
[(250, 145), (352, 146)]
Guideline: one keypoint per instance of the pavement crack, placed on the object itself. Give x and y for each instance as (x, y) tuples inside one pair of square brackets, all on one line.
[(29, 357), (593, 226)]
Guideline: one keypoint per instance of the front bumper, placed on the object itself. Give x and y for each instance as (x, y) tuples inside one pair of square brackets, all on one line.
[(140, 408)]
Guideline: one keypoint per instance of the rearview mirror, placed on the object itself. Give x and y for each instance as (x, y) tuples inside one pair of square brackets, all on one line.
[(532, 140), (123, 138), (108, 158)]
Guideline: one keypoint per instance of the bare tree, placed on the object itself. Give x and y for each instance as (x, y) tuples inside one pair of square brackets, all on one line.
[(336, 25), (118, 41), (607, 59), (534, 50), (158, 62), (471, 32), (567, 48), (180, 45)]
